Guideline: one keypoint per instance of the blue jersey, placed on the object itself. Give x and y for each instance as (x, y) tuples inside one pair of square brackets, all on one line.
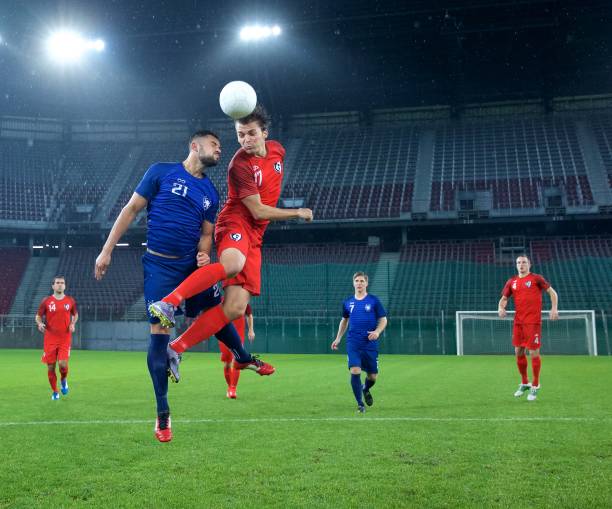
[(178, 205), (363, 316)]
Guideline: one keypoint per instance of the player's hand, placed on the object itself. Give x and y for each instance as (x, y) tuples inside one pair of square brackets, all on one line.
[(502, 313), (71, 327), (554, 314), (102, 262), (305, 214), (41, 327), (202, 258), (373, 335), (335, 343), (251, 336)]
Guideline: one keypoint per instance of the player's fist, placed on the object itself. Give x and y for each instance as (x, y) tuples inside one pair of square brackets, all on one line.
[(554, 314), (501, 312), (335, 343), (41, 327), (305, 214), (102, 262), (202, 258)]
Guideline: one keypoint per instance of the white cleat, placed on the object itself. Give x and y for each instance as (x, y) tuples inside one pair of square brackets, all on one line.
[(522, 389), (533, 393)]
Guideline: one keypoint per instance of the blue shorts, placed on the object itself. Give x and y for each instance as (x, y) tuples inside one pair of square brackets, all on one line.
[(367, 360), (163, 275)]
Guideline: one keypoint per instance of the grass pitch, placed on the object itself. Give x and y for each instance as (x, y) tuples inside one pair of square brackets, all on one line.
[(443, 432)]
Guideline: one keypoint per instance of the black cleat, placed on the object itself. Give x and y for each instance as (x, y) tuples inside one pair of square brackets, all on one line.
[(367, 396)]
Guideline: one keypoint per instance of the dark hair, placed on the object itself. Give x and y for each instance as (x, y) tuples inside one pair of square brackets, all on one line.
[(523, 255), (58, 277), (259, 115), (201, 134), (362, 274)]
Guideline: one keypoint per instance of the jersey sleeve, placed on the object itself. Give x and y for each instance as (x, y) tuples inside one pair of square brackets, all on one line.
[(345, 310), (42, 307), (379, 309), (240, 177), (73, 309), (248, 311), (507, 291), (542, 283), (149, 185), (211, 214)]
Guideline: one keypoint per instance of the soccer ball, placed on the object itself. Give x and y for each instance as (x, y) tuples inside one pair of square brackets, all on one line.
[(237, 99)]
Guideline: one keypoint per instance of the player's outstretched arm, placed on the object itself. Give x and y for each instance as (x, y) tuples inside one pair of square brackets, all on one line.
[(554, 302), (122, 223), (501, 307), (341, 330), (261, 211)]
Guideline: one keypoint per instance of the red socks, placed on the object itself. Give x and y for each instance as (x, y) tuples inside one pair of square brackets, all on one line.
[(227, 370), (198, 281), (234, 376), (521, 362), (52, 380), (204, 326), (63, 372), (536, 364)]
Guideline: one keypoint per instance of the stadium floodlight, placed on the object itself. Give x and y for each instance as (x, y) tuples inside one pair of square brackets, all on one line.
[(68, 47), (258, 32)]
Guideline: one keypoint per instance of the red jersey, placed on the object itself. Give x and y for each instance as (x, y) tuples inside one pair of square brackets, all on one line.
[(248, 175), (527, 293), (248, 311), (57, 314)]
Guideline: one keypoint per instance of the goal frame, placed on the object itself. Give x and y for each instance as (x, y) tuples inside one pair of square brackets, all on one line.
[(590, 323)]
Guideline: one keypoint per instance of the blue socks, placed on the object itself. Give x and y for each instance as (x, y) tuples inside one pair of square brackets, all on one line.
[(158, 368), (356, 386), (368, 384), (230, 338)]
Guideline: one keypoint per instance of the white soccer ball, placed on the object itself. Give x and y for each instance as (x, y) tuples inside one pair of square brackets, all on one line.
[(237, 99)]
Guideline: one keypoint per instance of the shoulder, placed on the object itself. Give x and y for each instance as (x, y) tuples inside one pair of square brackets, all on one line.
[(241, 158), (275, 148), (44, 300)]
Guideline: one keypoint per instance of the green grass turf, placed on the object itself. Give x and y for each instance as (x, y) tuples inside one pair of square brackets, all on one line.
[(295, 439)]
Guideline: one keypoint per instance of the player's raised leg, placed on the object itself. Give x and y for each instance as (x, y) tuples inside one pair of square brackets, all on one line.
[(63, 369)]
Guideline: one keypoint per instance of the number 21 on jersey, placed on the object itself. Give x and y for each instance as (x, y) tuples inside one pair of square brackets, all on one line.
[(179, 189)]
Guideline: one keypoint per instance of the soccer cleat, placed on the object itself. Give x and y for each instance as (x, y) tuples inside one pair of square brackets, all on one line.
[(260, 367), (174, 359), (231, 392), (522, 389), (55, 396), (361, 409), (533, 393), (163, 311), (369, 400), (64, 388), (163, 427)]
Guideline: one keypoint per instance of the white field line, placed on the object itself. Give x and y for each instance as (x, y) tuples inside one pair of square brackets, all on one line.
[(273, 420)]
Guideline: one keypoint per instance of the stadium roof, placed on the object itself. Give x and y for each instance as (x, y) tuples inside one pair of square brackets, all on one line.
[(170, 58)]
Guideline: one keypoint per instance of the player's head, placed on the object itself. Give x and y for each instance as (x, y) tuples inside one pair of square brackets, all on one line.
[(523, 264), (360, 281), (252, 130), (58, 284), (207, 147)]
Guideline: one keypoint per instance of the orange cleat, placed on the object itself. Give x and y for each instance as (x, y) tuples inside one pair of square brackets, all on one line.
[(231, 392), (163, 428), (260, 367)]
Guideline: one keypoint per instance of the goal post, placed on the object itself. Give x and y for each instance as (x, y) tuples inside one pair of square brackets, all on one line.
[(484, 332)]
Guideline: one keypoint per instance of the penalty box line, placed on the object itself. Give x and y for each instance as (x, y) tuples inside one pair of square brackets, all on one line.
[(273, 420)]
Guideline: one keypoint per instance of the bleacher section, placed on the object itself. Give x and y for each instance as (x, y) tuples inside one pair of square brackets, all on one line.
[(14, 262), (512, 159), (356, 173), (120, 287), (602, 127)]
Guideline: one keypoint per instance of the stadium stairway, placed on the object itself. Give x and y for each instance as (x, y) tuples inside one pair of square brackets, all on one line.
[(423, 177), (383, 277), (122, 177), (598, 178), (35, 285), (43, 287)]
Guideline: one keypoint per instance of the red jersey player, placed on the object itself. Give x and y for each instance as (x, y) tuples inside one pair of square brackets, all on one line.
[(254, 184), (60, 315), (232, 375), (527, 288)]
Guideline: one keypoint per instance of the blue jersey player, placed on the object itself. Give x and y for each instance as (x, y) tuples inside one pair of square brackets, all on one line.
[(181, 204), (366, 319)]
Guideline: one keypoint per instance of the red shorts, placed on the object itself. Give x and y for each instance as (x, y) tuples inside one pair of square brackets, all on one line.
[(238, 236), (527, 335), (55, 350)]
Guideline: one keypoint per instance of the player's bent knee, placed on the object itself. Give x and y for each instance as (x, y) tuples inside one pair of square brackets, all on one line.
[(233, 261), (355, 371)]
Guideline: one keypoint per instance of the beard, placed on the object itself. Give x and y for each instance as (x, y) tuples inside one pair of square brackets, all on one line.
[(209, 161)]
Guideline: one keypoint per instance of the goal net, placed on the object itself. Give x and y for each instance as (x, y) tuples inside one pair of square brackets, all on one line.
[(484, 332)]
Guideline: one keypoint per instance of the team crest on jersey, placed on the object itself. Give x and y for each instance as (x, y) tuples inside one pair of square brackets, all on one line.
[(236, 236), (278, 167), (206, 203), (67, 307), (528, 284), (368, 307)]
